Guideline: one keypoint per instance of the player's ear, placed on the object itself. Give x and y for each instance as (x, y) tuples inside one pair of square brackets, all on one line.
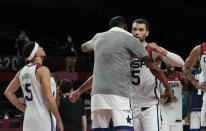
[(125, 27), (147, 33), (37, 53)]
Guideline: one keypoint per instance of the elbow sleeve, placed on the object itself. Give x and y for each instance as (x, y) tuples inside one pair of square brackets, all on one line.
[(173, 59)]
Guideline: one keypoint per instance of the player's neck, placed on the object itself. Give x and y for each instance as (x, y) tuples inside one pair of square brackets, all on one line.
[(144, 43), (37, 60)]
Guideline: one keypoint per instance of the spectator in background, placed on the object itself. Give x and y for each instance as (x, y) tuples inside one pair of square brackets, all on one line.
[(21, 40), (23, 37), (68, 51), (72, 114)]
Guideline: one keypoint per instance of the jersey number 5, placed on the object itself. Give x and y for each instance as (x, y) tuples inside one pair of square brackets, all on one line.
[(29, 96), (136, 78)]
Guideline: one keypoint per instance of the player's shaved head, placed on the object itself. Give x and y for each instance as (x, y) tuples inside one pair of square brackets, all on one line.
[(117, 21)]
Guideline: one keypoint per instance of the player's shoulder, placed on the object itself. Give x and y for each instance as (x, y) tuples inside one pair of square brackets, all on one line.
[(196, 48), (196, 51), (43, 69)]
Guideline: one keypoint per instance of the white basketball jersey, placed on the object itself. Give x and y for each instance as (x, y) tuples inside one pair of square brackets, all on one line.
[(172, 113), (145, 87), (53, 87), (54, 91), (203, 66), (37, 116)]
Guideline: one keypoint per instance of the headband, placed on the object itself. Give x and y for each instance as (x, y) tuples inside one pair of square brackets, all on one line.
[(31, 56)]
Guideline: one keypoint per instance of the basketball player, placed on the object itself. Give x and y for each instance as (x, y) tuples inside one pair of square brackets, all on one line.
[(53, 89), (172, 114), (145, 87), (34, 80), (111, 85), (198, 53), (196, 104)]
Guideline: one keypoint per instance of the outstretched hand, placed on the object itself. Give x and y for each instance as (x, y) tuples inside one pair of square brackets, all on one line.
[(168, 97), (74, 96)]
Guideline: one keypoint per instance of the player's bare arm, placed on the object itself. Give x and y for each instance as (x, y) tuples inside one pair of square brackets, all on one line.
[(87, 46), (76, 94), (157, 72), (186, 88), (10, 93), (84, 123), (43, 76), (185, 83), (84, 48), (189, 63)]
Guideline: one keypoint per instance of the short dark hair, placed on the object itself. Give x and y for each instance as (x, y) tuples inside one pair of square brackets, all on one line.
[(66, 85), (142, 21), (117, 21), (27, 49)]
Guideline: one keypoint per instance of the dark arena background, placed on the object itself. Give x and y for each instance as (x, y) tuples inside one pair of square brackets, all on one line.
[(175, 25)]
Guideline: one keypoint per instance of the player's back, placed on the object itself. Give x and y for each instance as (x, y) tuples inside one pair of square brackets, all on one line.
[(37, 115), (112, 62)]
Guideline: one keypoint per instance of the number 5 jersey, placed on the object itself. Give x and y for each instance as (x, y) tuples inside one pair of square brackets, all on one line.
[(145, 86), (37, 116)]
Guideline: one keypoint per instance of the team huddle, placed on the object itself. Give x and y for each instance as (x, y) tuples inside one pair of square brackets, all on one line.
[(128, 86)]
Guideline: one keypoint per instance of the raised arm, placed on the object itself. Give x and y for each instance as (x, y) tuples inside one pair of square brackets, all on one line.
[(84, 48), (167, 56), (10, 93), (88, 46)]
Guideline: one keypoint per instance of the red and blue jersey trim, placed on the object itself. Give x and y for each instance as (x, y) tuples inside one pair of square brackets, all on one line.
[(148, 51), (175, 78), (37, 67)]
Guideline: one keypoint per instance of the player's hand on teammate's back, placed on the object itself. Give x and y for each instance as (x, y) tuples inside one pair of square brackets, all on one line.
[(60, 126), (169, 97), (74, 96)]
